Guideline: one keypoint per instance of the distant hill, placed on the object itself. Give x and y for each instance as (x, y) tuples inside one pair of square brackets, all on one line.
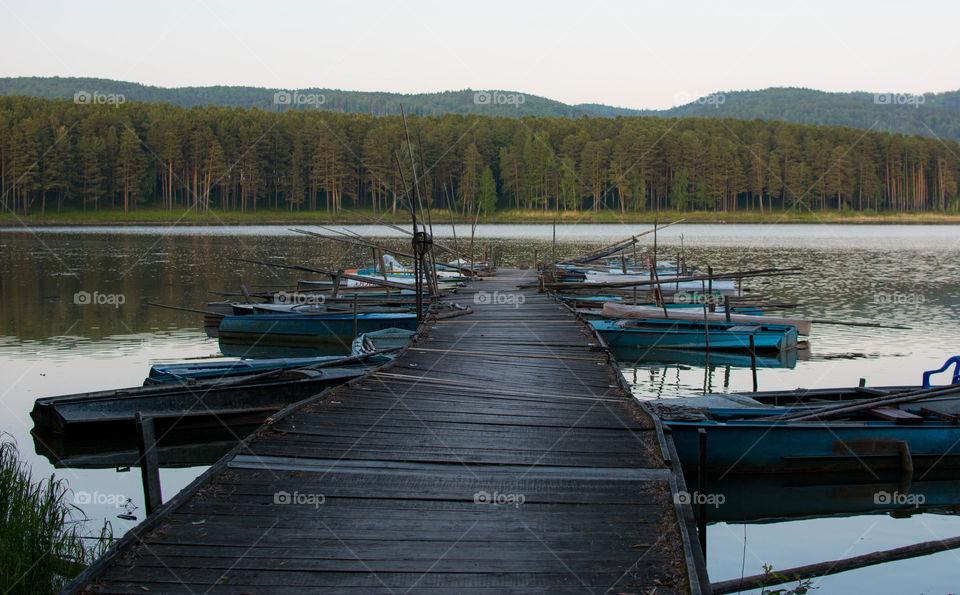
[(467, 101), (927, 115), (930, 114)]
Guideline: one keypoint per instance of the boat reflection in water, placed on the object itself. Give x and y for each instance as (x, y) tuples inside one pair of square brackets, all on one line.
[(643, 355), (176, 448), (245, 350), (776, 498)]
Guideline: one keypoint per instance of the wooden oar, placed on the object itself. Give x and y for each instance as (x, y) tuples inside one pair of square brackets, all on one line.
[(629, 241), (356, 241), (379, 221), (890, 399), (408, 232), (869, 324), (329, 273), (194, 310), (667, 281)]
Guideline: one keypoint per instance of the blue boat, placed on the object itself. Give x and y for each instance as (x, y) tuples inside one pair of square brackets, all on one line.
[(285, 329), (689, 334), (744, 442), (224, 368), (747, 436), (204, 404)]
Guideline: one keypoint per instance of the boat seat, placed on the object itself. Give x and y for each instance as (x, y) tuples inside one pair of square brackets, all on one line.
[(940, 415), (955, 379), (745, 328), (897, 416)]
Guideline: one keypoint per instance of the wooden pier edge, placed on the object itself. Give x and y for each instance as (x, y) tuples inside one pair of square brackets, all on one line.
[(133, 536), (695, 562)]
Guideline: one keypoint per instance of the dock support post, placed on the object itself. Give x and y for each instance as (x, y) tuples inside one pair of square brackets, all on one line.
[(701, 490), (713, 306), (726, 307), (753, 361), (336, 285), (149, 462), (355, 312), (706, 322)]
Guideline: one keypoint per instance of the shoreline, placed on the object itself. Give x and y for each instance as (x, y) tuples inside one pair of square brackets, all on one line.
[(272, 217)]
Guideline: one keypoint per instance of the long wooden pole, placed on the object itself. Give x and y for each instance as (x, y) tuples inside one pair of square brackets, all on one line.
[(329, 273), (721, 276), (629, 241), (355, 241), (826, 568), (182, 309), (327, 364), (890, 399), (446, 249)]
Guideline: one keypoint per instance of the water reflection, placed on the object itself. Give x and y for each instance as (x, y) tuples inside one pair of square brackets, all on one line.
[(50, 344), (776, 498), (174, 448)]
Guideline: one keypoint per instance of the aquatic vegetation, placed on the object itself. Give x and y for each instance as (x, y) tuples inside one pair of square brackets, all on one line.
[(41, 547)]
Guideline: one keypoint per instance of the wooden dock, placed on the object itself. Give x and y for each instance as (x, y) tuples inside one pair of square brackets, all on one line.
[(499, 453)]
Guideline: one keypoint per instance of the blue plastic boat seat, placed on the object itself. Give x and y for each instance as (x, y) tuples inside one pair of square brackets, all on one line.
[(955, 360)]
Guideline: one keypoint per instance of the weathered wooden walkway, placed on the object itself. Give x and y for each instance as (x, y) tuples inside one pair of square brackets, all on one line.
[(499, 453)]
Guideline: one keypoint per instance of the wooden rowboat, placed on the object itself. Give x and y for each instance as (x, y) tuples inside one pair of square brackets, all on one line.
[(687, 334), (203, 404), (285, 329), (859, 429)]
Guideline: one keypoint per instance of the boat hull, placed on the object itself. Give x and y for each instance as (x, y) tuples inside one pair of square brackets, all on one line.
[(271, 329), (816, 447), (216, 369), (181, 406), (667, 334)]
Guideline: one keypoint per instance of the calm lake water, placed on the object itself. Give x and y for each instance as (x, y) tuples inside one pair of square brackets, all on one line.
[(908, 275)]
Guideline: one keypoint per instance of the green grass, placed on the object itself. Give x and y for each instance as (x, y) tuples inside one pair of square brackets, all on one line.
[(441, 217), (40, 543)]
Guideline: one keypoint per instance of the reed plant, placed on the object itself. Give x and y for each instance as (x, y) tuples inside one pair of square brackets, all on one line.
[(41, 545)]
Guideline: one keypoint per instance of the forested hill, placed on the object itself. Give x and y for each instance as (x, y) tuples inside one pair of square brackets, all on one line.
[(500, 103), (930, 114), (72, 155), (926, 115)]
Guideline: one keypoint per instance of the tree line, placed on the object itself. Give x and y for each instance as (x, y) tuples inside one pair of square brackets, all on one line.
[(57, 154)]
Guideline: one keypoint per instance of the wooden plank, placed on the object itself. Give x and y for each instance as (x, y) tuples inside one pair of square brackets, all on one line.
[(898, 416)]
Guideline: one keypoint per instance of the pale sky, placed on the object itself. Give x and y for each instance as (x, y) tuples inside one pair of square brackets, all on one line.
[(628, 54)]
